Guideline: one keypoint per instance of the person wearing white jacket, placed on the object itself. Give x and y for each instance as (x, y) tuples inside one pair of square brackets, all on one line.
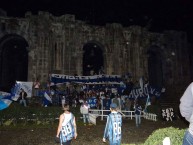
[(84, 110), (186, 110)]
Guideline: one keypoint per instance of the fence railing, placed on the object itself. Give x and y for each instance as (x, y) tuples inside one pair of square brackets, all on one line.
[(150, 116), (126, 114)]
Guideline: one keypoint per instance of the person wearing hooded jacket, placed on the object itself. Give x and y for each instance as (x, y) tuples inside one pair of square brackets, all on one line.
[(186, 110)]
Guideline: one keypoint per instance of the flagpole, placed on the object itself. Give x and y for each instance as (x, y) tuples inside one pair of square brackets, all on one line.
[(147, 101)]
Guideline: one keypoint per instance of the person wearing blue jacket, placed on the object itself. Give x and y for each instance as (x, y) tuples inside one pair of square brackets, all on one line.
[(186, 110), (113, 126)]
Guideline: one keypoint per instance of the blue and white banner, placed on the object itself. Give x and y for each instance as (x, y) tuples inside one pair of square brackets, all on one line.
[(27, 86), (5, 100), (46, 99), (105, 102), (92, 102), (4, 103), (4, 94), (147, 90), (95, 79)]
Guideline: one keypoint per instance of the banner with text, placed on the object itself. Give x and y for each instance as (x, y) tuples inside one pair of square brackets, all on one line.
[(95, 79), (143, 93)]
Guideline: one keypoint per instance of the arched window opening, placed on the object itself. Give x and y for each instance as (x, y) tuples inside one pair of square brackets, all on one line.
[(93, 61)]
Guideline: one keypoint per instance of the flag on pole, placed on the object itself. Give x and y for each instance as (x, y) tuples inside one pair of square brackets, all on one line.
[(7, 98), (47, 99), (148, 103), (5, 101), (141, 83), (15, 91), (26, 86)]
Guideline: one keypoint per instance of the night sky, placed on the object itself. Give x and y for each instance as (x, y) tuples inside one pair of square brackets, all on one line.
[(158, 14)]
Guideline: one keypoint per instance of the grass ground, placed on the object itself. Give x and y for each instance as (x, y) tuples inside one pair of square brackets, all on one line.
[(87, 135), (44, 133)]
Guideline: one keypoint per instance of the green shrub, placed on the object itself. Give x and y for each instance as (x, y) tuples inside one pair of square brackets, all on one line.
[(176, 136)]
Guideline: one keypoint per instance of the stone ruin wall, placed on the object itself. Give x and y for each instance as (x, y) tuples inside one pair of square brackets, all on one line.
[(56, 46)]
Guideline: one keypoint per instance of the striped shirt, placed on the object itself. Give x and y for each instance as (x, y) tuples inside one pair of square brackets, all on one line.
[(113, 128)]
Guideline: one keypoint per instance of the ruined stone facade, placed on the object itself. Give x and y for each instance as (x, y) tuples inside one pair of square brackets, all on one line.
[(53, 44)]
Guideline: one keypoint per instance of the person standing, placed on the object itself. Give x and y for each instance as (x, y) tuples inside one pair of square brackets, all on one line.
[(128, 105), (186, 110), (84, 110), (98, 103), (138, 110), (36, 88), (63, 100), (67, 127), (113, 126), (22, 97), (117, 101)]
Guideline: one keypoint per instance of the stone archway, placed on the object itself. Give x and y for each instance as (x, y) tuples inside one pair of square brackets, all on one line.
[(13, 61), (155, 72), (93, 60)]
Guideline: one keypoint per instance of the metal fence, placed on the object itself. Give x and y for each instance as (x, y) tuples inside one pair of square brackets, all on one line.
[(126, 114)]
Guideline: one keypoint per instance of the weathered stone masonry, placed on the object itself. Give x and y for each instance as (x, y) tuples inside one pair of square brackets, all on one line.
[(55, 45)]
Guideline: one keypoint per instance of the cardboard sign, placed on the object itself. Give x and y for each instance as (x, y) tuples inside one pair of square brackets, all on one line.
[(168, 114)]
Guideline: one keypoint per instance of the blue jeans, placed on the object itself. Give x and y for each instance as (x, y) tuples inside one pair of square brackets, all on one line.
[(23, 101), (137, 119), (188, 138), (86, 118), (36, 92)]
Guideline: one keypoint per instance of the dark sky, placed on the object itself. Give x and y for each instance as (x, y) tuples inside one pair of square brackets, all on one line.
[(161, 14)]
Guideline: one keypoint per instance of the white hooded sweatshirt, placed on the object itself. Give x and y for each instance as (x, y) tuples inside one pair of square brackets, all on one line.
[(186, 106)]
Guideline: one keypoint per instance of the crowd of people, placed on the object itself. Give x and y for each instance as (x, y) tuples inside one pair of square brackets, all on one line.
[(99, 96), (112, 131), (72, 92), (106, 96)]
